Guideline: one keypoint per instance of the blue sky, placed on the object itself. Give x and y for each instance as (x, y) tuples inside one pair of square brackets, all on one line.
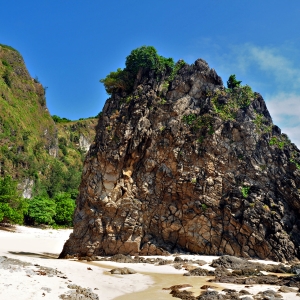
[(70, 45)]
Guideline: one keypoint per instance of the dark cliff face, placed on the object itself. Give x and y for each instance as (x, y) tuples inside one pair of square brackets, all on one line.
[(188, 166)]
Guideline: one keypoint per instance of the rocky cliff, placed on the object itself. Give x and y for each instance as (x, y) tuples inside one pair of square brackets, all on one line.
[(27, 131), (44, 157), (187, 165)]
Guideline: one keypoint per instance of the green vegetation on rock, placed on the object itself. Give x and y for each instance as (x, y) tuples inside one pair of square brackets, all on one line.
[(36, 149), (58, 119), (261, 124), (245, 191), (280, 141), (227, 102), (140, 61), (203, 123)]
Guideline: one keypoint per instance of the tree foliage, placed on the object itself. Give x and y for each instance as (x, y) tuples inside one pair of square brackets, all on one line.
[(42, 210), (12, 205), (232, 82), (115, 81), (58, 119), (140, 60), (147, 58), (58, 210), (65, 206)]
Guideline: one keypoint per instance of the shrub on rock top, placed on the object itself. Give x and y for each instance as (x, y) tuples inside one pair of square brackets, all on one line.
[(142, 59)]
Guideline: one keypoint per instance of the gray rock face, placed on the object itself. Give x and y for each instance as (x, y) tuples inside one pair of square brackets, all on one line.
[(191, 167), (26, 186), (122, 271), (84, 143), (79, 293)]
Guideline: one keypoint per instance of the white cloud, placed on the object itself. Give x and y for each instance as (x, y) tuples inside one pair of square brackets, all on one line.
[(284, 104), (293, 134), (278, 66), (285, 111), (271, 61)]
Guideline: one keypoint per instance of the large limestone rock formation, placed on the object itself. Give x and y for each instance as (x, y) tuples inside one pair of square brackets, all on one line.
[(188, 167)]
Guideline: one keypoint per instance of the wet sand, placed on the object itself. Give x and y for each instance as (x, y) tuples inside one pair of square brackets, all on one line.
[(160, 281), (166, 280)]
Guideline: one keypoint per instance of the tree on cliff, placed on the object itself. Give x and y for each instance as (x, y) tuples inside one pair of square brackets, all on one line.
[(232, 82), (146, 58), (142, 59)]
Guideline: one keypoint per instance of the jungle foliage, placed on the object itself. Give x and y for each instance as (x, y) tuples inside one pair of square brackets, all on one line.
[(58, 210), (39, 210), (12, 205)]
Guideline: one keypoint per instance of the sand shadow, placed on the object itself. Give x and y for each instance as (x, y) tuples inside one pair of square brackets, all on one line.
[(7, 228), (38, 255)]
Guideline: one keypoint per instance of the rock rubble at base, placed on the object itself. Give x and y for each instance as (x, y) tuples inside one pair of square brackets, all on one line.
[(122, 271), (230, 294), (233, 270), (79, 293), (16, 265)]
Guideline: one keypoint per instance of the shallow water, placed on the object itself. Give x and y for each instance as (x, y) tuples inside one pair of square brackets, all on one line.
[(155, 291), (166, 280)]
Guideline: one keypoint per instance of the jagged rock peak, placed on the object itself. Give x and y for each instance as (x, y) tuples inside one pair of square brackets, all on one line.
[(186, 165)]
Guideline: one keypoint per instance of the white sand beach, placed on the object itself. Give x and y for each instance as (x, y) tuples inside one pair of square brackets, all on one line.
[(41, 247)]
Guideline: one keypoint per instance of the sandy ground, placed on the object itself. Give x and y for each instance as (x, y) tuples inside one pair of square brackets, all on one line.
[(40, 247)]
